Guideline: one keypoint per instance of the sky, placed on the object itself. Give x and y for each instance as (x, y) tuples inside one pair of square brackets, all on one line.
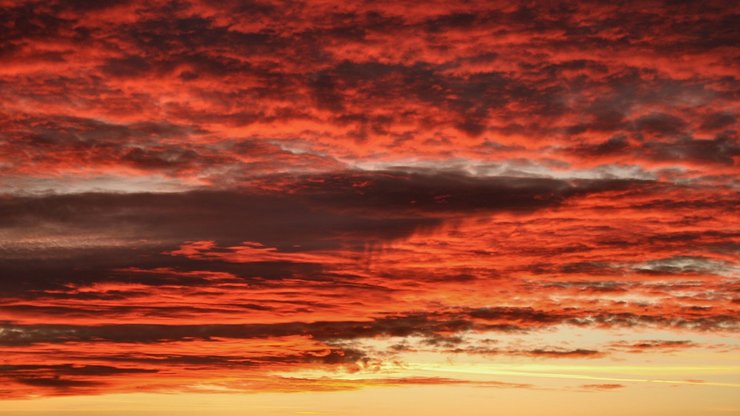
[(369, 207)]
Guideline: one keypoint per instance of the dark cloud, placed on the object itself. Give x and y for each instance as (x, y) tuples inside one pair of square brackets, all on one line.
[(65, 378), (614, 145), (310, 213), (723, 149), (710, 322), (400, 326), (56, 382), (660, 124), (525, 315), (603, 386), (718, 120), (576, 353), (544, 353), (19, 370), (130, 66), (434, 326), (446, 192), (653, 344)]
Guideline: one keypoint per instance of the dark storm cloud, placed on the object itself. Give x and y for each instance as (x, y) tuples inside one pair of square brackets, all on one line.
[(432, 326), (660, 124), (718, 120), (528, 315), (368, 204), (723, 149), (56, 382), (401, 326), (308, 213), (446, 192), (65, 377), (12, 370), (330, 356)]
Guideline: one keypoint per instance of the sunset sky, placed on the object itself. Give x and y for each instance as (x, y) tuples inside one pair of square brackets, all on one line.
[(369, 208)]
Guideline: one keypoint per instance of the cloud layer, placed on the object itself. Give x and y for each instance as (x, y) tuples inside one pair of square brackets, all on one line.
[(246, 194)]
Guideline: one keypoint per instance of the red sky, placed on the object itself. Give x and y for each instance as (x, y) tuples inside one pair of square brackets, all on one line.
[(342, 199)]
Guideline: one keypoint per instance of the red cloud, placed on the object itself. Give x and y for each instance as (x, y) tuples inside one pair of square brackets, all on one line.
[(192, 190)]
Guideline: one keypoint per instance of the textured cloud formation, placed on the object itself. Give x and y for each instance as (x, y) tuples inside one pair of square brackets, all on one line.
[(206, 196)]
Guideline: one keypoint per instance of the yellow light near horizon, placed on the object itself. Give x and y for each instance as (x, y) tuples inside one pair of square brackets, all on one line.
[(554, 400)]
